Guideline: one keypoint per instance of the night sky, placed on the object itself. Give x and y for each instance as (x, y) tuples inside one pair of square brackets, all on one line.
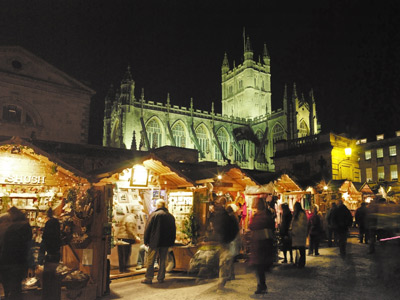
[(348, 52)]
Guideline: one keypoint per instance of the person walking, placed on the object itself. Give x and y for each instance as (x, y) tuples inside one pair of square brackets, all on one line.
[(314, 231), (224, 229), (284, 232), (14, 253), (127, 236), (51, 244), (261, 247), (361, 221), (298, 232), (331, 229), (159, 235), (342, 220)]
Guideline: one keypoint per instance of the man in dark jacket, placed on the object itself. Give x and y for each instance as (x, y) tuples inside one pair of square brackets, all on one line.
[(51, 243), (159, 235), (361, 221), (342, 220), (14, 253)]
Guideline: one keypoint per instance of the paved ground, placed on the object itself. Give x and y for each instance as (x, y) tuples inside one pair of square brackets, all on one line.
[(328, 276)]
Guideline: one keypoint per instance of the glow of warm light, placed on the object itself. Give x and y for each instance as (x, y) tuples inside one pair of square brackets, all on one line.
[(346, 196), (325, 188), (368, 200), (139, 176), (219, 176), (347, 152)]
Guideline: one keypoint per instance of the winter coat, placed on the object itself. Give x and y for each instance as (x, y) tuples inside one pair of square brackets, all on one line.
[(160, 229), (285, 224), (298, 230), (361, 216), (51, 239), (261, 247), (342, 218), (224, 227), (314, 225), (16, 244)]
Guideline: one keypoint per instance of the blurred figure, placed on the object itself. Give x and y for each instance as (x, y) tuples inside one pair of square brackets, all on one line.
[(314, 230), (14, 253), (372, 222), (224, 229), (331, 229), (284, 232), (342, 220), (261, 253), (127, 235), (51, 244), (298, 231), (361, 221), (159, 235), (235, 245)]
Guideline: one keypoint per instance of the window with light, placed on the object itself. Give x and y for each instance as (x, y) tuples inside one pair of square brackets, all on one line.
[(368, 174), (393, 172), (303, 131), (179, 135), (202, 138), (154, 133), (381, 173), (392, 151), (368, 155), (379, 153)]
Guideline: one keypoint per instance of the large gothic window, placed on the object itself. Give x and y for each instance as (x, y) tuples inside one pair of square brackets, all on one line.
[(243, 146), (154, 133), (223, 141), (303, 131), (202, 138), (179, 135)]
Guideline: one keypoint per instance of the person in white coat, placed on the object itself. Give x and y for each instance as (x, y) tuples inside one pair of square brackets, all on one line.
[(298, 232)]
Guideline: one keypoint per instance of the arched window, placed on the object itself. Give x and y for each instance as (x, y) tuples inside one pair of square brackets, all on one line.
[(223, 141), (202, 138), (243, 147), (303, 131), (179, 135), (154, 133)]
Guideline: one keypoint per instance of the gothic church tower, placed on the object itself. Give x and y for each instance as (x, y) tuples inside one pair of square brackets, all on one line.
[(246, 89)]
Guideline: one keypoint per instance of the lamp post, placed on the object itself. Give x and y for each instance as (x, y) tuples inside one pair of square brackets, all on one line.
[(347, 153)]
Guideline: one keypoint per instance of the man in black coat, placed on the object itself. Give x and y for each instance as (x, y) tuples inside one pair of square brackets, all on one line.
[(159, 235), (361, 221), (342, 220)]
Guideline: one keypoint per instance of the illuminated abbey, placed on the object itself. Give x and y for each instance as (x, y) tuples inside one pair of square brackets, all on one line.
[(243, 134)]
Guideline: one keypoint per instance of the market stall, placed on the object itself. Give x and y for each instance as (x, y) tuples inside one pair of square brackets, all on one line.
[(137, 185), (34, 181)]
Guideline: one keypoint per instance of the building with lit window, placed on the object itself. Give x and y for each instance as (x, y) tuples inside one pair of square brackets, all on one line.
[(379, 158), (244, 133), (38, 101), (320, 157)]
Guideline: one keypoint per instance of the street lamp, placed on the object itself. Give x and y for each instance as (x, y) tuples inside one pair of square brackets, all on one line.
[(347, 153)]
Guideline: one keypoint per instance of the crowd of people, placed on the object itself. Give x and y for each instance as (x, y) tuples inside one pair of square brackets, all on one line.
[(16, 256)]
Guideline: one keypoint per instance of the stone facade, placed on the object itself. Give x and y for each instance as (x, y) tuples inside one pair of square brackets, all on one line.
[(379, 159), (39, 101), (243, 134)]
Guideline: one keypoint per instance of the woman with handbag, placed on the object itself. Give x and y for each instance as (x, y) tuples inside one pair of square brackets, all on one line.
[(261, 249)]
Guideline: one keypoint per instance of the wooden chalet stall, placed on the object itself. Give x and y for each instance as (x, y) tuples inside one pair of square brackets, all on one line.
[(33, 181), (136, 185)]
